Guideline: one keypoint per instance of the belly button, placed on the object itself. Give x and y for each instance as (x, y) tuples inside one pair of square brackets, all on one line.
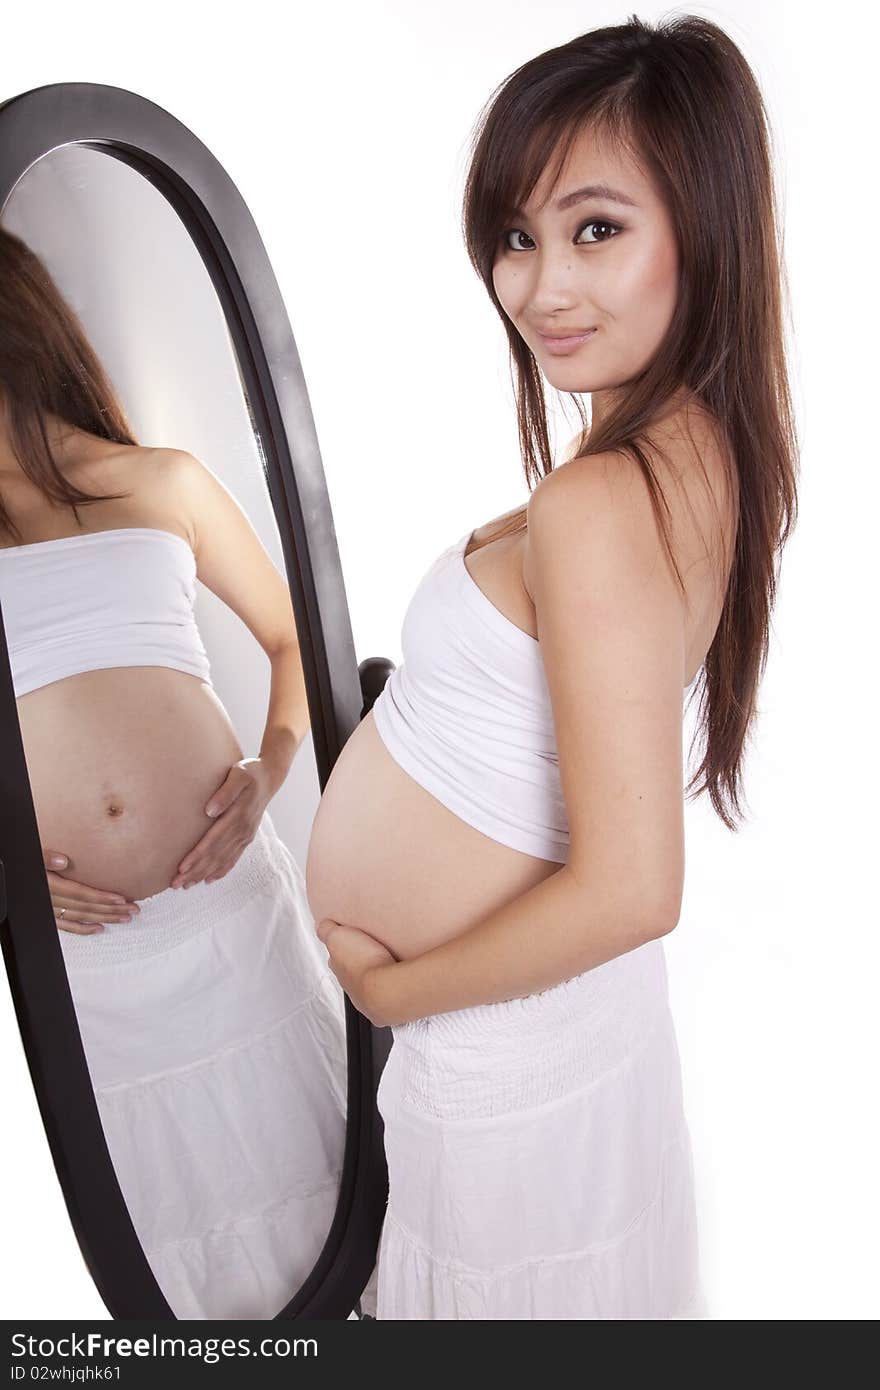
[(113, 810)]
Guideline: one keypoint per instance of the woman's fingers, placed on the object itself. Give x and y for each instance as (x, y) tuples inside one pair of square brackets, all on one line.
[(92, 912), (196, 873), (86, 907), (79, 929), (60, 883), (84, 892), (54, 859), (86, 914)]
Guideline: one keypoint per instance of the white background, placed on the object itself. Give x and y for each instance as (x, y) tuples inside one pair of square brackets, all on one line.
[(345, 127)]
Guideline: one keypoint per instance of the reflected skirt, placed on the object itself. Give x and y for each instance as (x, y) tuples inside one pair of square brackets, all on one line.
[(215, 1037), (539, 1159)]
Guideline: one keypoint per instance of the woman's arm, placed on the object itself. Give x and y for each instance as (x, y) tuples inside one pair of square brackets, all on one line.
[(612, 629), (546, 935), (287, 718), (233, 563)]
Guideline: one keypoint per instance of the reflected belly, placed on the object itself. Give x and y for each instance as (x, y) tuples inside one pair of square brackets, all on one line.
[(121, 764), (387, 856)]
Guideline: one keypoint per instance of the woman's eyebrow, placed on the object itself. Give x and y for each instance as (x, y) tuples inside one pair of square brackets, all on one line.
[(590, 190)]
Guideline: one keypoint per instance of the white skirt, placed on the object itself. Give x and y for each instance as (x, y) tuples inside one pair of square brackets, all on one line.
[(215, 1038), (539, 1160)]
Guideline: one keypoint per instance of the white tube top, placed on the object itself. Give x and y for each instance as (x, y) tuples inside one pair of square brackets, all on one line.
[(99, 599), (467, 714)]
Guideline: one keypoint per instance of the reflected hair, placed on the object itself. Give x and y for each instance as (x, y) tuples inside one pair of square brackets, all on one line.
[(48, 365), (678, 97)]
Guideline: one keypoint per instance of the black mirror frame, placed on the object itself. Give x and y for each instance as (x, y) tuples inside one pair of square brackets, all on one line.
[(130, 128)]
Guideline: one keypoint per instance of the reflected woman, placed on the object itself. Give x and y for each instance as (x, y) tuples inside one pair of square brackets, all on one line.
[(213, 1029)]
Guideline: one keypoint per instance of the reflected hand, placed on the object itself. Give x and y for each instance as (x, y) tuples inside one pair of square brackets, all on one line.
[(354, 956), (237, 808), (84, 907)]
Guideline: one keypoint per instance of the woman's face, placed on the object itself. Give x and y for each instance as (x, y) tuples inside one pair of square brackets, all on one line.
[(598, 262)]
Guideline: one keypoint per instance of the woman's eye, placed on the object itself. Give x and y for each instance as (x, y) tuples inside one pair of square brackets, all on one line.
[(608, 230), (611, 228), (513, 231)]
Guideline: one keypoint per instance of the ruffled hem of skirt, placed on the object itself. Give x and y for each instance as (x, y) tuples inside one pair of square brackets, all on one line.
[(609, 1282)]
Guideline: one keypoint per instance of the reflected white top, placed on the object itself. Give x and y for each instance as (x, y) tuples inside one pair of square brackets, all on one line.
[(100, 599)]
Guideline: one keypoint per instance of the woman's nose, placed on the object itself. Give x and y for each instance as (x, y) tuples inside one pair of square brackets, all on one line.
[(557, 285)]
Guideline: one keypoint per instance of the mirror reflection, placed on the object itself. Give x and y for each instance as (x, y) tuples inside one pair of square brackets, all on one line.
[(162, 708)]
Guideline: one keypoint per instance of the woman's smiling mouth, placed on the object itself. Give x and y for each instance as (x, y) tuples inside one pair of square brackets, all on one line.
[(565, 344)]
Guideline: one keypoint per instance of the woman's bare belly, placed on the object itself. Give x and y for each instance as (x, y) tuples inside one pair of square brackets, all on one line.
[(387, 856), (121, 764)]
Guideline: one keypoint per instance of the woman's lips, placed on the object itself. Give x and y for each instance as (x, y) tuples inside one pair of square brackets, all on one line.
[(565, 345)]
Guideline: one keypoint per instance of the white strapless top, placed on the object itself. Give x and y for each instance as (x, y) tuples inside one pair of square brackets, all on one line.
[(99, 599), (467, 714)]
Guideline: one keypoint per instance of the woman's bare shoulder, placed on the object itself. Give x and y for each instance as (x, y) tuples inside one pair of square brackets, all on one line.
[(146, 476), (106, 462)]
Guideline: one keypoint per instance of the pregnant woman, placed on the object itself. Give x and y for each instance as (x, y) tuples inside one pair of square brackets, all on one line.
[(503, 904), (213, 1029)]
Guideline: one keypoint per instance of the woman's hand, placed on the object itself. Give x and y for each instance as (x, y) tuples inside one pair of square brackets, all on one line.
[(355, 956), (84, 907), (237, 808)]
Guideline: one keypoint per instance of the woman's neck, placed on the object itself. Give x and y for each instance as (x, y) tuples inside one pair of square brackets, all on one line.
[(58, 432)]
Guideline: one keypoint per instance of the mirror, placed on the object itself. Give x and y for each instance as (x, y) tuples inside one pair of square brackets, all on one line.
[(214, 1032)]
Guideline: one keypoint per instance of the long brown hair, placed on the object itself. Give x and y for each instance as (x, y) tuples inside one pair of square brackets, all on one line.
[(680, 96), (47, 365)]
